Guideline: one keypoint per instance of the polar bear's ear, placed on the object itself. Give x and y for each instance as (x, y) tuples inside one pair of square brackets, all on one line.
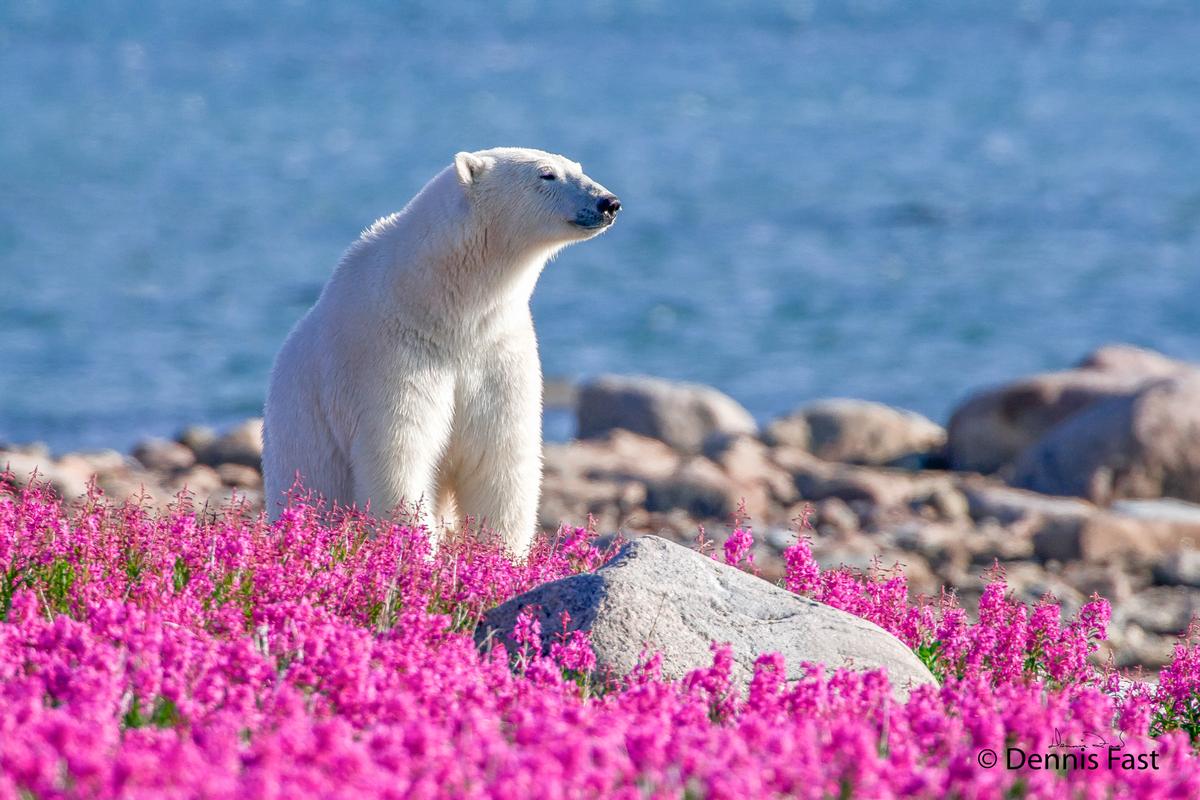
[(470, 166)]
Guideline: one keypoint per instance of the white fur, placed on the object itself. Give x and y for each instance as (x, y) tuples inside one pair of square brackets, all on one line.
[(415, 378)]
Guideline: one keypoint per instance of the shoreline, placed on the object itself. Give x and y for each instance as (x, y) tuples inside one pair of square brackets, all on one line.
[(881, 486)]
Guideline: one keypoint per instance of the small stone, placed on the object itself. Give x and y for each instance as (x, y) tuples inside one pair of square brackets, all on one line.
[(683, 415), (1181, 568), (201, 480), (833, 517), (1108, 537), (1161, 609), (940, 544), (69, 482), (1167, 509), (946, 502), (857, 432), (1107, 580), (1133, 646), (197, 438), (1031, 583), (699, 487), (163, 455), (240, 476), (241, 444)]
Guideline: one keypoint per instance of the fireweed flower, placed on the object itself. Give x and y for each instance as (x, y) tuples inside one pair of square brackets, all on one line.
[(331, 655)]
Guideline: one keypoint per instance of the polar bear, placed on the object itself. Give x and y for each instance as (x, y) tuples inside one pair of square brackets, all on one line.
[(415, 377)]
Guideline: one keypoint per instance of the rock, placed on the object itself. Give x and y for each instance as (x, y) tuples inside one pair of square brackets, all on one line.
[(1030, 583), (1181, 568), (922, 580), (1130, 360), (241, 444), (1133, 647), (201, 480), (240, 476), (163, 455), (754, 475), (1106, 537), (656, 596), (1165, 510), (94, 462), (197, 437), (833, 517), (39, 449), (945, 502), (603, 477), (857, 432), (1144, 445), (559, 393), (619, 456), (1160, 609), (942, 546), (1109, 581), (699, 487), (817, 479), (1007, 505), (990, 543), (991, 430), (1054, 525), (69, 483), (681, 414)]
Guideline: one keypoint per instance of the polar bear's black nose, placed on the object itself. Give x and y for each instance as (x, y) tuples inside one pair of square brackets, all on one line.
[(609, 204)]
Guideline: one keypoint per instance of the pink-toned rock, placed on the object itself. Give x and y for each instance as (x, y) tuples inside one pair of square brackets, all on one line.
[(699, 487), (943, 546), (857, 432), (1132, 360), (619, 456), (1110, 581), (995, 426), (816, 479), (683, 415), (240, 476), (1143, 445), (241, 444), (1106, 537), (68, 482), (1160, 609), (603, 477), (766, 487), (201, 480), (834, 517), (163, 455)]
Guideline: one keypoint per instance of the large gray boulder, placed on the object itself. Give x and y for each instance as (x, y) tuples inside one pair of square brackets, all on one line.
[(681, 414), (1138, 446), (994, 427), (656, 596), (858, 432)]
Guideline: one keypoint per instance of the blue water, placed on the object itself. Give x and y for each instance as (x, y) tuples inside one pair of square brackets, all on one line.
[(892, 200)]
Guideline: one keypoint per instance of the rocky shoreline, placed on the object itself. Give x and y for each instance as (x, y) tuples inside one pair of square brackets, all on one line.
[(1073, 482)]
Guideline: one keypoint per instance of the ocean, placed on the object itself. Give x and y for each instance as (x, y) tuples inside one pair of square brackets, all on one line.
[(900, 201)]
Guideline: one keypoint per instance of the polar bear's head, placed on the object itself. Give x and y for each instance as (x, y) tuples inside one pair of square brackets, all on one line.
[(541, 198)]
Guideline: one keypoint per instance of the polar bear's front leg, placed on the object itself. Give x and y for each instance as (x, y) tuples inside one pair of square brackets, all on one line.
[(402, 434), (498, 477)]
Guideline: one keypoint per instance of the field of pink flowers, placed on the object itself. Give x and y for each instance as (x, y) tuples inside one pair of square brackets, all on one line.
[(191, 655)]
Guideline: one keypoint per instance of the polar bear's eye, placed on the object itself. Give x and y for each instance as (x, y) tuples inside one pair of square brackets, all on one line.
[(548, 175)]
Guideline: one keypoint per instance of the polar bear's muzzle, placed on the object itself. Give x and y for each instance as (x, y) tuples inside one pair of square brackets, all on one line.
[(603, 215)]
